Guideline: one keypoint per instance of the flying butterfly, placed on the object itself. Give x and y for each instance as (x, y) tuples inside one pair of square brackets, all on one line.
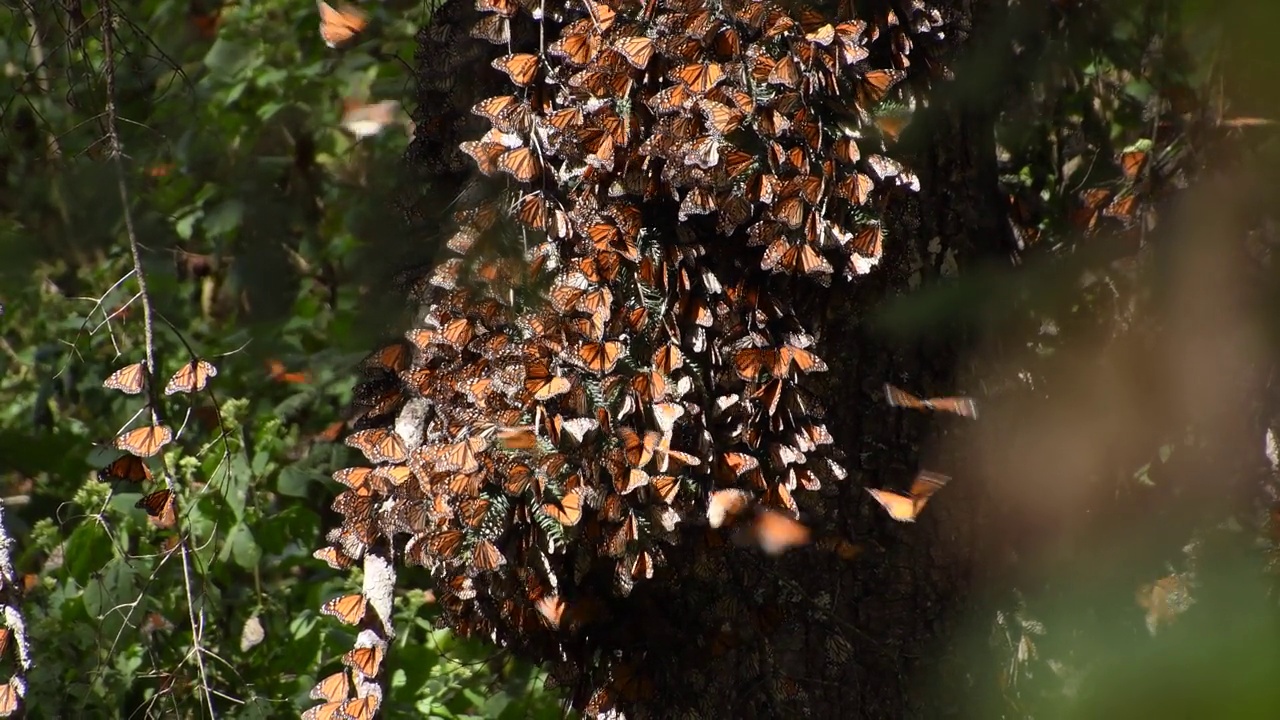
[(191, 378), (145, 441), (962, 406), (724, 505), (338, 26), (129, 379), (905, 508), (126, 467), (776, 532), (347, 609)]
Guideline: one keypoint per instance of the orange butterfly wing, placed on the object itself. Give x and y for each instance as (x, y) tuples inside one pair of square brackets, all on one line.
[(348, 609), (144, 441), (129, 379), (334, 688), (191, 378), (337, 27)]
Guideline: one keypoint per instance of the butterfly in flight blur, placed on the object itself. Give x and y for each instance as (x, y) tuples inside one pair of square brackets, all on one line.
[(962, 406), (191, 378), (905, 508), (339, 25), (368, 120)]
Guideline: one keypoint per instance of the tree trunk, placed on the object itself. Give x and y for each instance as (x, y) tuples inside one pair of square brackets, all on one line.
[(813, 634)]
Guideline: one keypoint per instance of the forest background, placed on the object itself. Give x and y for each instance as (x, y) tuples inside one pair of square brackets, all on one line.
[(267, 236)]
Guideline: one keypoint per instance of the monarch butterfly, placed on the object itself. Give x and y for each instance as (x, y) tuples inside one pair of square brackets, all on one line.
[(162, 508), (327, 711), (507, 113), (850, 35), (5, 635), (276, 372), (721, 119), (699, 77), (520, 163), (338, 26), (601, 15), (962, 406), (1132, 163), (875, 85), (486, 557), (191, 378), (522, 68), (795, 258), (638, 451), (9, 698), (367, 120), (485, 154), (333, 557), (472, 511), (129, 379), (723, 505), (333, 688), (784, 72), (494, 28), (635, 50), (505, 8), (777, 532), (666, 487), (126, 467), (379, 445), (577, 48), (365, 708), (568, 511), (600, 357), (393, 357), (144, 441), (364, 660), (905, 508), (348, 609), (551, 608)]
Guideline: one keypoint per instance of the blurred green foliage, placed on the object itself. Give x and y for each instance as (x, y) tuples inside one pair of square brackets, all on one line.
[(265, 230)]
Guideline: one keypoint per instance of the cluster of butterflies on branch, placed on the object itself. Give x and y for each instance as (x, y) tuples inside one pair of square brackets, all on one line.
[(608, 371), (141, 443)]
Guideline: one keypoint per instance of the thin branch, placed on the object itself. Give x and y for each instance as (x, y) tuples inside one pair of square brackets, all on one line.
[(42, 70), (115, 152)]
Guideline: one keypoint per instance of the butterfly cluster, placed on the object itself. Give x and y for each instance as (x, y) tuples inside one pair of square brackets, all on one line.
[(144, 442), (611, 344)]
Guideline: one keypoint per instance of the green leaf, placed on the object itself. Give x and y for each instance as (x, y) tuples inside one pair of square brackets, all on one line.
[(227, 57), (242, 548), (88, 549), (294, 480), (223, 218)]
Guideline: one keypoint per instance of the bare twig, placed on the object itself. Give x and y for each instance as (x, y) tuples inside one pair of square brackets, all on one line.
[(115, 152), (42, 70)]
